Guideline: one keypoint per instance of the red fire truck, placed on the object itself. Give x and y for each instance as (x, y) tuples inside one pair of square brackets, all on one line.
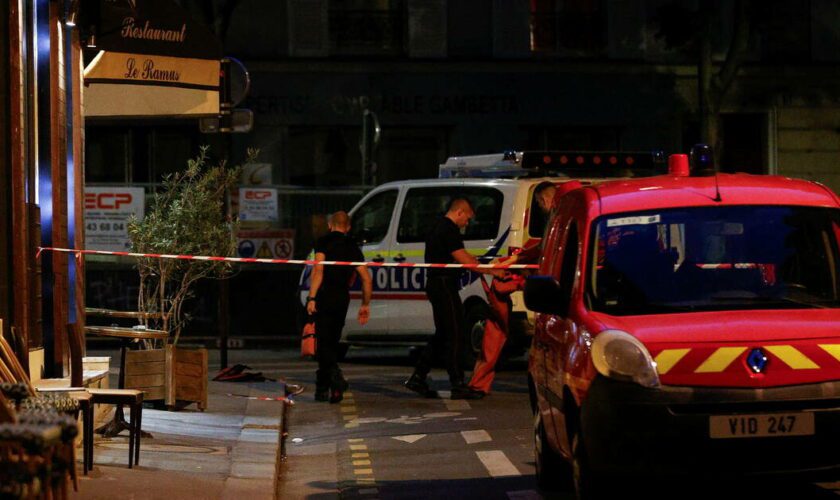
[(687, 324)]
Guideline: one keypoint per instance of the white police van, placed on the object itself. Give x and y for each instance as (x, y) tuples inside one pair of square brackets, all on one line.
[(391, 222)]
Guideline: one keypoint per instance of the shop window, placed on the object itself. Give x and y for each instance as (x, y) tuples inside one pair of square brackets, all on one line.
[(367, 27), (170, 150), (107, 154), (568, 27), (324, 156)]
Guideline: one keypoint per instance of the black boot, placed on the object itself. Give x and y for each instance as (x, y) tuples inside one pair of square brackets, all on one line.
[(420, 385), (463, 391), (337, 387)]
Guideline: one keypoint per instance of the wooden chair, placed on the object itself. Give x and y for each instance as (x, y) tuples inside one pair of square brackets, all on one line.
[(87, 398), (71, 387), (128, 397)]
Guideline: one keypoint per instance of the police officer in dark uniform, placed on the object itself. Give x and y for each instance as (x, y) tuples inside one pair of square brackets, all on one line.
[(329, 299), (445, 245)]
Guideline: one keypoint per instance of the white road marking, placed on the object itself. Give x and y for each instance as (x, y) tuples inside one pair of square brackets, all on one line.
[(479, 436), (371, 420), (465, 418), (524, 495), (441, 414), (410, 438), (497, 463), (457, 404)]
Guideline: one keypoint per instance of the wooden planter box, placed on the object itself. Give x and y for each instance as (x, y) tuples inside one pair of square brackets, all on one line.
[(171, 374)]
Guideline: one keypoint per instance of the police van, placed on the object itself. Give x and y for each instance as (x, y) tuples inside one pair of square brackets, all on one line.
[(391, 222)]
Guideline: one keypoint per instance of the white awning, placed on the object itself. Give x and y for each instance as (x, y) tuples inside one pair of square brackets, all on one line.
[(123, 85)]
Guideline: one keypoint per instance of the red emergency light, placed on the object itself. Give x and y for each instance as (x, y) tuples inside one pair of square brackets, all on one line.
[(595, 163)]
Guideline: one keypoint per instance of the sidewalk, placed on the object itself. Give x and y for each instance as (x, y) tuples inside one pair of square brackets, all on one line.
[(229, 451)]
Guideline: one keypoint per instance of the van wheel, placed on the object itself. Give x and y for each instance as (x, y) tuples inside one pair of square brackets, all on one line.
[(476, 319), (553, 473)]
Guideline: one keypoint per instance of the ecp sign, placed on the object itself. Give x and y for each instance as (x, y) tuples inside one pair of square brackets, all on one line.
[(257, 204), (253, 194), (107, 212), (107, 200)]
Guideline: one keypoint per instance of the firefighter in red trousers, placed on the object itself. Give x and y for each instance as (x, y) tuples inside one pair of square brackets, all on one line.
[(499, 290), (495, 329)]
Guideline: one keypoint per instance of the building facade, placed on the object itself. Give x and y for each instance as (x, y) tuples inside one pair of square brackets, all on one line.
[(42, 179), (446, 77)]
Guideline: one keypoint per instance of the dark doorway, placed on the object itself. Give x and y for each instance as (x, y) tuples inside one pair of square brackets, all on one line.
[(743, 143)]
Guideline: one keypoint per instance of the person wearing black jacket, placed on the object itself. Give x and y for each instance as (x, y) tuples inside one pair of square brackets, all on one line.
[(445, 245), (329, 299)]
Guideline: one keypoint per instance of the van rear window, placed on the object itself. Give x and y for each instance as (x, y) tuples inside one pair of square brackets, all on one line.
[(425, 204)]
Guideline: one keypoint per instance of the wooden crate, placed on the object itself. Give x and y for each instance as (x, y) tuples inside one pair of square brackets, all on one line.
[(186, 373), (172, 374), (145, 370)]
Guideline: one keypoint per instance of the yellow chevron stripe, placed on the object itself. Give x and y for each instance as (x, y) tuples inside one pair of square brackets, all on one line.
[(792, 357), (666, 359), (720, 359), (833, 349)]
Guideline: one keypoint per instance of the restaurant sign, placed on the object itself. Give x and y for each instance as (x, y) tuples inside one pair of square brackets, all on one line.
[(154, 61)]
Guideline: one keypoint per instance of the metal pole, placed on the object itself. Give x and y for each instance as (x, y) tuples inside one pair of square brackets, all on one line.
[(224, 321), (284, 423)]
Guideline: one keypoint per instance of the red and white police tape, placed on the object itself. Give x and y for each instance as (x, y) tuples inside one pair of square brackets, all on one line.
[(305, 262)]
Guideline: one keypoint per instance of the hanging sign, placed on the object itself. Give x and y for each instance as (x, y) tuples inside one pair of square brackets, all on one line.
[(154, 60)]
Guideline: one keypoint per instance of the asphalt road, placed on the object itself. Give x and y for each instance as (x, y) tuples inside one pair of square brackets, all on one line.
[(383, 441)]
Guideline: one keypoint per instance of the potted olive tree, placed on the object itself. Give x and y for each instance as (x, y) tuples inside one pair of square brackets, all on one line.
[(187, 216)]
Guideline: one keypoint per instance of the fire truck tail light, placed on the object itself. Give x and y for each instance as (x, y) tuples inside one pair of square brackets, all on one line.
[(619, 355)]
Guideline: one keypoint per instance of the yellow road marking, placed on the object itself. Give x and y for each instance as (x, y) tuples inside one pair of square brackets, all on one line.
[(720, 359), (351, 425), (361, 462), (356, 440), (792, 357), (360, 455), (350, 417), (833, 349), (358, 447), (348, 409), (363, 472), (666, 359)]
